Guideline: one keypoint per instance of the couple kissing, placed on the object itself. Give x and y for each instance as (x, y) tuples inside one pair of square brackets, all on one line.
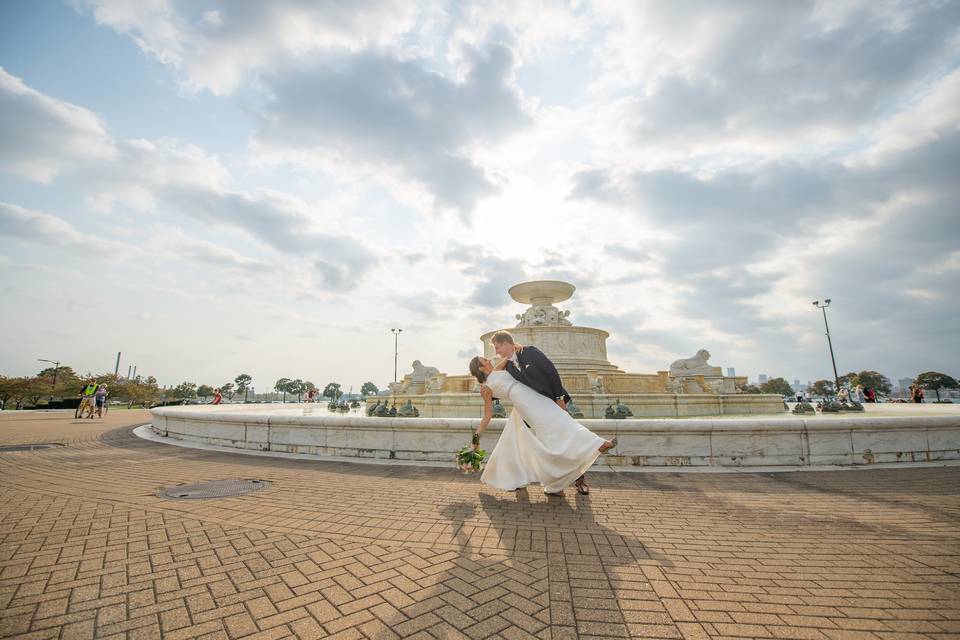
[(541, 443)]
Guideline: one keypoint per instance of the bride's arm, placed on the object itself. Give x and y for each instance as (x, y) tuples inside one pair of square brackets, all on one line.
[(487, 396), (500, 366)]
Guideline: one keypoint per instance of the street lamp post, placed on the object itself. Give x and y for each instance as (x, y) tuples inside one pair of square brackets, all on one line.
[(396, 341), (823, 307), (56, 367)]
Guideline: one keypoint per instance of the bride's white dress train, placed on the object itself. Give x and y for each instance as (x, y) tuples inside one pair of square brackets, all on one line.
[(554, 451)]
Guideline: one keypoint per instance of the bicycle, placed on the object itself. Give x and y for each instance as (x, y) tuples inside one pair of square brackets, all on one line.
[(85, 401)]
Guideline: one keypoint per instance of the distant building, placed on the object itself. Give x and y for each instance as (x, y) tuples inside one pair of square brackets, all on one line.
[(762, 378), (796, 385), (731, 372), (904, 384)]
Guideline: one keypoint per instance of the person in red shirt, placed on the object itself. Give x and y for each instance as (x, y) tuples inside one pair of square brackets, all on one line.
[(217, 397)]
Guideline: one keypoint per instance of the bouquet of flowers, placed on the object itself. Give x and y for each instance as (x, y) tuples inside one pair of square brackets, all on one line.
[(470, 459)]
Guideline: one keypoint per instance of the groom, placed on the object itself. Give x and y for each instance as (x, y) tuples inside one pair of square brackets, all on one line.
[(532, 367)]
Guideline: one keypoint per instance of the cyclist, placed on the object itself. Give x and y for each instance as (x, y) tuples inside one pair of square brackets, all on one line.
[(87, 398)]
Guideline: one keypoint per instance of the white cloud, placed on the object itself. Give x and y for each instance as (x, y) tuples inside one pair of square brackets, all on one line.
[(695, 77), (41, 136), (47, 230), (167, 177), (351, 83), (396, 115), (932, 115), (36, 226), (220, 47), (492, 274), (177, 242)]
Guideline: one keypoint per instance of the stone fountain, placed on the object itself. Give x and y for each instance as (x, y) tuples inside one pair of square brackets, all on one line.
[(611, 403), (689, 387)]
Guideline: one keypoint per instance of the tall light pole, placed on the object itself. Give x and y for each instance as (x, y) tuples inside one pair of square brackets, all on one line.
[(396, 341), (823, 307), (56, 367)]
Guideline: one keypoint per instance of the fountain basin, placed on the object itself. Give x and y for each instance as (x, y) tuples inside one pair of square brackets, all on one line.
[(881, 435)]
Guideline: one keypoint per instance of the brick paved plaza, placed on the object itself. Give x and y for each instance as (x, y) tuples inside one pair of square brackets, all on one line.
[(360, 551)]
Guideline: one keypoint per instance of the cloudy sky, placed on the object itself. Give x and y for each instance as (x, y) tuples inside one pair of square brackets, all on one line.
[(269, 187)]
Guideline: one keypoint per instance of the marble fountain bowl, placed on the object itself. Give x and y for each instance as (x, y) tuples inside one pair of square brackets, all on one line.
[(884, 433)]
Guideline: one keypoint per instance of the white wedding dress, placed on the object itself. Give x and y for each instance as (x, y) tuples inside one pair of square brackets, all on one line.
[(554, 451)]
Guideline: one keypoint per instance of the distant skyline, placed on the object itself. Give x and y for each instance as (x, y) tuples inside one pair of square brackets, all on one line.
[(219, 187)]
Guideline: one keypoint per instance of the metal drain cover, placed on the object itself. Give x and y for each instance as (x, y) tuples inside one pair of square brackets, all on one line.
[(30, 447), (213, 489)]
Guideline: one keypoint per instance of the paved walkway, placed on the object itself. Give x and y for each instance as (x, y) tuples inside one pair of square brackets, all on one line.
[(357, 551)]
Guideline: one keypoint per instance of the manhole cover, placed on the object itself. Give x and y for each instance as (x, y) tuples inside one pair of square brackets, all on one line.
[(30, 447), (213, 489)]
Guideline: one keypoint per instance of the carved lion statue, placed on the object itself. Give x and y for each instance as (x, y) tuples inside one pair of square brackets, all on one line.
[(696, 363), (421, 372)]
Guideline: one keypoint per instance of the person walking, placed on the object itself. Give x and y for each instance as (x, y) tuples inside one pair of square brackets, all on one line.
[(217, 397), (917, 393), (101, 399)]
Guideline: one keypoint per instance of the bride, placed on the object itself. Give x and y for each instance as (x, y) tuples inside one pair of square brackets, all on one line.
[(540, 441)]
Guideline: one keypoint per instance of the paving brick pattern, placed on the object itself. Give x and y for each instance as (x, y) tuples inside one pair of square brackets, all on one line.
[(336, 550)]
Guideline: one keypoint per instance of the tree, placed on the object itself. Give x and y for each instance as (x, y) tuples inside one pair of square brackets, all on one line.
[(227, 390), (15, 389), (23, 390), (243, 383), (332, 391), (778, 386), (873, 380), (184, 391), (281, 387), (934, 381), (848, 380), (143, 392), (205, 391), (297, 387), (66, 382), (749, 388), (822, 388), (36, 387), (7, 387), (369, 389), (62, 370)]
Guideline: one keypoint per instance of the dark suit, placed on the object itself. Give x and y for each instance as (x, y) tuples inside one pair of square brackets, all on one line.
[(537, 372)]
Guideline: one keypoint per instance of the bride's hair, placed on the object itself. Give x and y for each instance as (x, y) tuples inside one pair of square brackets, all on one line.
[(475, 370)]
